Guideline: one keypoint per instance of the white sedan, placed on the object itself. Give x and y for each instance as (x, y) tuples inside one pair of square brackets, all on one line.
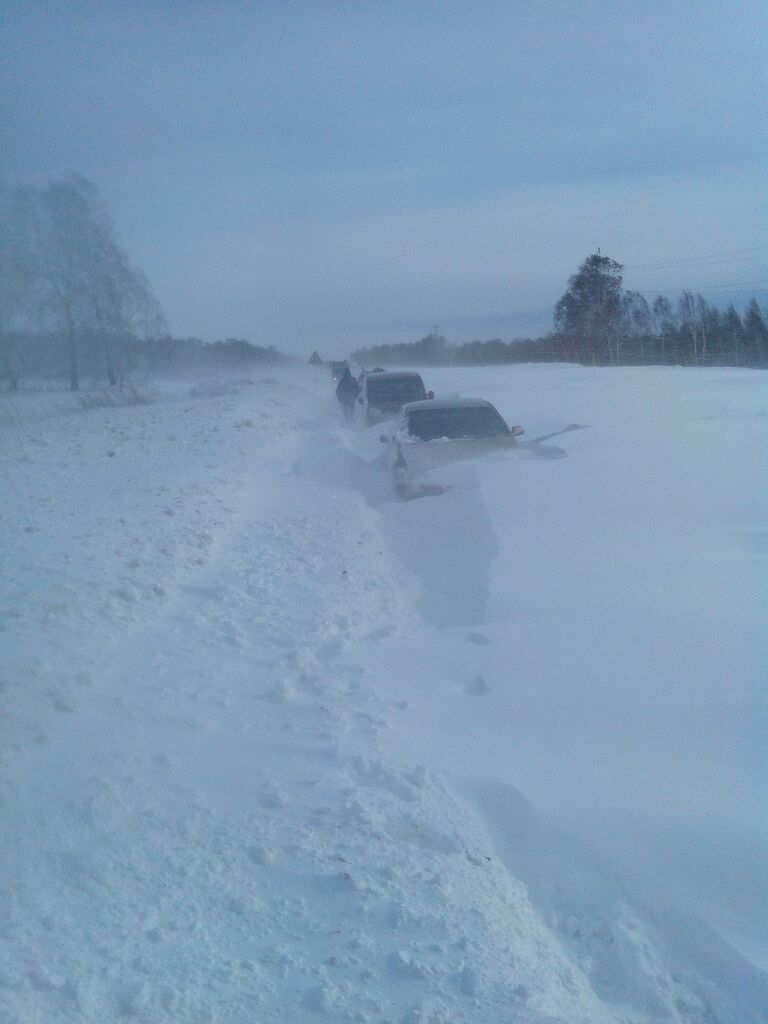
[(433, 433)]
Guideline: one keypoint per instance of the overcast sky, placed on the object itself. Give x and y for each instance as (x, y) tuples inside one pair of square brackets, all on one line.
[(329, 175)]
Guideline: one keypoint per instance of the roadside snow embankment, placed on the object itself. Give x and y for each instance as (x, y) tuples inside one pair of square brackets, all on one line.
[(23, 408), (106, 508), (210, 831), (220, 591)]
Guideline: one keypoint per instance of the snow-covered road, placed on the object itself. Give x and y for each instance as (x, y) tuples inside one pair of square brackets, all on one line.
[(267, 726)]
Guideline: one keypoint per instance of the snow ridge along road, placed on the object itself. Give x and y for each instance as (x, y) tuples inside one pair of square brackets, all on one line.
[(215, 807)]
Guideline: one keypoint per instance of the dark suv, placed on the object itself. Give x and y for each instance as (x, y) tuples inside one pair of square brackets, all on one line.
[(384, 394), (338, 367)]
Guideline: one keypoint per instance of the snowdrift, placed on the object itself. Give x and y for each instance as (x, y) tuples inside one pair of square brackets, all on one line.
[(269, 729), (20, 407)]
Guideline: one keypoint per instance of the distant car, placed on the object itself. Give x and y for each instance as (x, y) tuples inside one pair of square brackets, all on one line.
[(430, 434), (383, 394), (338, 367)]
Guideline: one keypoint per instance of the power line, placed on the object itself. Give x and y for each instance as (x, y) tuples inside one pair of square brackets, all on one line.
[(696, 259), (734, 288), (703, 263)]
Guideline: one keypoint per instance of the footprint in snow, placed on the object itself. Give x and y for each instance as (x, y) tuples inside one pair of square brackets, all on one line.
[(273, 798), (477, 638), (380, 634), (260, 854), (61, 702), (477, 688)]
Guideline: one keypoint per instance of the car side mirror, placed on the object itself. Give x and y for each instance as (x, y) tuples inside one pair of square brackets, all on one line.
[(430, 394), (517, 431)]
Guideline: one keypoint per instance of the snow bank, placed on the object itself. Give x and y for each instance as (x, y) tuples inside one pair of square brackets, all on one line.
[(33, 405), (106, 512), (219, 388), (22, 407), (238, 672), (619, 593)]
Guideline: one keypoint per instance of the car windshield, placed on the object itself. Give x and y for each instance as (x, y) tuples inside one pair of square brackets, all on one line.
[(470, 421), (401, 389)]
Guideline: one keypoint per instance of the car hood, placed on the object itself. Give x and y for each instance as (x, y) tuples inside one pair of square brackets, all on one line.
[(422, 456)]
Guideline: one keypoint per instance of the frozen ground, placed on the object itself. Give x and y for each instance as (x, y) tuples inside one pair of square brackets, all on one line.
[(281, 748)]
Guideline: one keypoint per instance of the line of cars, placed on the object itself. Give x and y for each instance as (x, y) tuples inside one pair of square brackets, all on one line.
[(428, 433)]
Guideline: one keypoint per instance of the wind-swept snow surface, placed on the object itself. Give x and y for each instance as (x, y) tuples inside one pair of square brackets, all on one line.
[(282, 748)]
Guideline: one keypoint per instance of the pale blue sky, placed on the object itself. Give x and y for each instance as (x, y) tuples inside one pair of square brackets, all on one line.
[(329, 175)]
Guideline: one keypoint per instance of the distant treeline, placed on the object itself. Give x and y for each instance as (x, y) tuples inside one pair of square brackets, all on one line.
[(73, 306), (598, 322), (45, 357)]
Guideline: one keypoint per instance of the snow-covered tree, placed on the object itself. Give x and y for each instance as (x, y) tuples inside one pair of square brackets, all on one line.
[(16, 278), (78, 281), (121, 304)]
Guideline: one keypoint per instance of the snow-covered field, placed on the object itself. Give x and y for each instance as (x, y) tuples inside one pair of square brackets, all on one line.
[(279, 747)]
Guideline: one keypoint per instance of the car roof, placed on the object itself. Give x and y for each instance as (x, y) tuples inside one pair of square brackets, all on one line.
[(394, 374), (447, 403)]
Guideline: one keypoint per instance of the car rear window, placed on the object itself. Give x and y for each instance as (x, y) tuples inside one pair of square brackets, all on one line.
[(473, 421), (401, 389)]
